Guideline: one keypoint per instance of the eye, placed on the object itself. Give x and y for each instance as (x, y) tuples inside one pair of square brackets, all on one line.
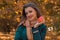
[(30, 11), (26, 13)]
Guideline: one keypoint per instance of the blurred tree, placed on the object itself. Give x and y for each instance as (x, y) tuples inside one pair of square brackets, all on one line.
[(11, 11)]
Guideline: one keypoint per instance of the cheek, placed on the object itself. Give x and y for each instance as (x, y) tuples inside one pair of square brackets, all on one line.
[(34, 15), (29, 15)]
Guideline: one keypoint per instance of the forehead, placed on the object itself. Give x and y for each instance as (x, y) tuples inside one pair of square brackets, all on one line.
[(29, 8)]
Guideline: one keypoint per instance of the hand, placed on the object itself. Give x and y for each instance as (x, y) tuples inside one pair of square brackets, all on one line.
[(27, 23), (29, 32)]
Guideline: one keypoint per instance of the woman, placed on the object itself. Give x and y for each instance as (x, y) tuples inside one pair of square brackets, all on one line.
[(26, 29)]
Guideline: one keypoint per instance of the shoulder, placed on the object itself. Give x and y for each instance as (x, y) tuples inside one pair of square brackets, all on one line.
[(20, 28), (42, 26)]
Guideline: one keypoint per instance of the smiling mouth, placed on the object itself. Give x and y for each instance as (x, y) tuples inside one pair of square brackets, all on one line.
[(29, 16)]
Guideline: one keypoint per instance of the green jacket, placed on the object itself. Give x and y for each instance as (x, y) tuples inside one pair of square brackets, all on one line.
[(21, 33)]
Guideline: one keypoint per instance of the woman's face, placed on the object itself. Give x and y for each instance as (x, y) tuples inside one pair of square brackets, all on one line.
[(30, 13)]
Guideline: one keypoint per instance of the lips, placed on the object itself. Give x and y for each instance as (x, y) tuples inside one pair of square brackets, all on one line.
[(30, 16)]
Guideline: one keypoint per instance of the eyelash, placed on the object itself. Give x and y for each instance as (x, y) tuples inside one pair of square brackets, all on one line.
[(29, 12), (26, 13)]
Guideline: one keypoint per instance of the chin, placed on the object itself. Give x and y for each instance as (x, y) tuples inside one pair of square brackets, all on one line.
[(30, 19)]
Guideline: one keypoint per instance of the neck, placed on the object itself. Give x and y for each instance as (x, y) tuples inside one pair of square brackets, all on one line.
[(33, 22)]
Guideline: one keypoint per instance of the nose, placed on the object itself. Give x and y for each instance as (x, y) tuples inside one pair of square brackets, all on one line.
[(28, 15)]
